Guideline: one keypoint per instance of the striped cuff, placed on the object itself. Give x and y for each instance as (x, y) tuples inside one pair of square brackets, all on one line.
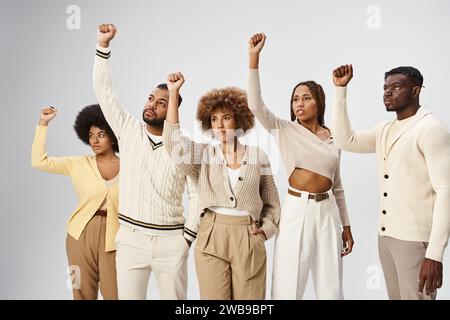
[(189, 234), (102, 54)]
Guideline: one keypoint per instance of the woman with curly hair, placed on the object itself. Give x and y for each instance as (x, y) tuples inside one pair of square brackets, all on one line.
[(314, 228), (93, 225), (238, 197)]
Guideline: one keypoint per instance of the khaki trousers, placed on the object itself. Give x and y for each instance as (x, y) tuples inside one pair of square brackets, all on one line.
[(90, 266), (401, 261), (229, 260)]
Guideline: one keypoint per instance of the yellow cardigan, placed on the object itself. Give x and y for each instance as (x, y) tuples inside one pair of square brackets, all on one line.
[(89, 187)]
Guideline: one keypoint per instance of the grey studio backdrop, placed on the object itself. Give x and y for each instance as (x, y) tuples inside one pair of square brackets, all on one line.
[(47, 54)]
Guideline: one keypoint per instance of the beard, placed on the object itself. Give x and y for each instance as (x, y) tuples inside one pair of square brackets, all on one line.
[(158, 123)]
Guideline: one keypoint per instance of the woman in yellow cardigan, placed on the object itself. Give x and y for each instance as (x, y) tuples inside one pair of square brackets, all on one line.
[(93, 225)]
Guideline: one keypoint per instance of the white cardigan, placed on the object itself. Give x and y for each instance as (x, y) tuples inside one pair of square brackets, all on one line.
[(414, 174)]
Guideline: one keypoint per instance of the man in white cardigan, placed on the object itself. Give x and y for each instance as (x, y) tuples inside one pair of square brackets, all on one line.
[(413, 154), (153, 235)]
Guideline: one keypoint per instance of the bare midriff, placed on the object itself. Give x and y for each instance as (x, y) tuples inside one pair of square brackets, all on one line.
[(305, 180)]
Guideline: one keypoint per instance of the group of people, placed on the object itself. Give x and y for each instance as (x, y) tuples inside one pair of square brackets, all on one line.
[(125, 228)]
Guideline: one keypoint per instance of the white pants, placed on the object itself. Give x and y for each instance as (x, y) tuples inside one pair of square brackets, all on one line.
[(309, 239), (139, 254)]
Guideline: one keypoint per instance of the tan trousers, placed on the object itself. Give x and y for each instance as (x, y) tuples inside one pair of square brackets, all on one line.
[(401, 261), (229, 260), (90, 266)]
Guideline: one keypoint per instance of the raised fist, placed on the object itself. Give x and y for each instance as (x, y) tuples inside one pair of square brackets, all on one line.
[(105, 34), (47, 114), (175, 81), (256, 43), (342, 75)]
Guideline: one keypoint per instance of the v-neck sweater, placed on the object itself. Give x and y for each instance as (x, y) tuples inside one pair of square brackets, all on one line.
[(151, 186)]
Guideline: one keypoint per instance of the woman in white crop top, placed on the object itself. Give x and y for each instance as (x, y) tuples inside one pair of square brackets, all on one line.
[(314, 226), (237, 193)]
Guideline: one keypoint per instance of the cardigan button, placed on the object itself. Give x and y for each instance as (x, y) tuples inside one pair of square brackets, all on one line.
[(231, 199), (386, 176), (384, 211), (244, 162), (383, 229), (240, 178), (385, 194)]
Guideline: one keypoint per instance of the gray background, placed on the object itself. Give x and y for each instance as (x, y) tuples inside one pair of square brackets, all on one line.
[(43, 62)]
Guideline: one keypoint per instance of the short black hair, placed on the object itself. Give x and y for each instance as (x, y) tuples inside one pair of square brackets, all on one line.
[(93, 116), (412, 73), (163, 86)]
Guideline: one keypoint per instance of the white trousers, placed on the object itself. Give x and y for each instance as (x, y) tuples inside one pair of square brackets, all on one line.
[(139, 254), (309, 240)]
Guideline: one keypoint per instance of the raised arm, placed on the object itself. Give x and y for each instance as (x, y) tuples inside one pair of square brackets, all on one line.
[(344, 136), (116, 115), (255, 102), (186, 154), (39, 158)]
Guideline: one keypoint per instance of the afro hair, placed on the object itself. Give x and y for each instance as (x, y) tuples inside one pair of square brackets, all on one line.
[(93, 116), (230, 98)]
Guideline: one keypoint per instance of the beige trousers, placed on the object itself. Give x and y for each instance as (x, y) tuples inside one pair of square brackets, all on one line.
[(401, 261), (229, 260), (139, 254), (90, 266)]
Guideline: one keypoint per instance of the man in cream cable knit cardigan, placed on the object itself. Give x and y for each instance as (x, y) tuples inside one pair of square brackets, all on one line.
[(153, 235), (413, 154)]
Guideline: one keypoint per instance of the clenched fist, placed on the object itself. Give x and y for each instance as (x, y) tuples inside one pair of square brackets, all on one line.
[(256, 43), (47, 114), (342, 75), (175, 81), (105, 34)]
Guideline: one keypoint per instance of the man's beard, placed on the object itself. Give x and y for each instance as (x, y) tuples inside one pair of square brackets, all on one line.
[(157, 123)]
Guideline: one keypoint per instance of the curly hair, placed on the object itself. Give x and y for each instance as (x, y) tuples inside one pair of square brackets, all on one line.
[(231, 98), (93, 116)]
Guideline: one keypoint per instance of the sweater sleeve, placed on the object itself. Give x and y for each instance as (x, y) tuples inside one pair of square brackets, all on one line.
[(116, 115), (193, 217), (436, 149), (256, 104), (270, 214), (344, 137), (41, 161), (339, 195), (186, 154)]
